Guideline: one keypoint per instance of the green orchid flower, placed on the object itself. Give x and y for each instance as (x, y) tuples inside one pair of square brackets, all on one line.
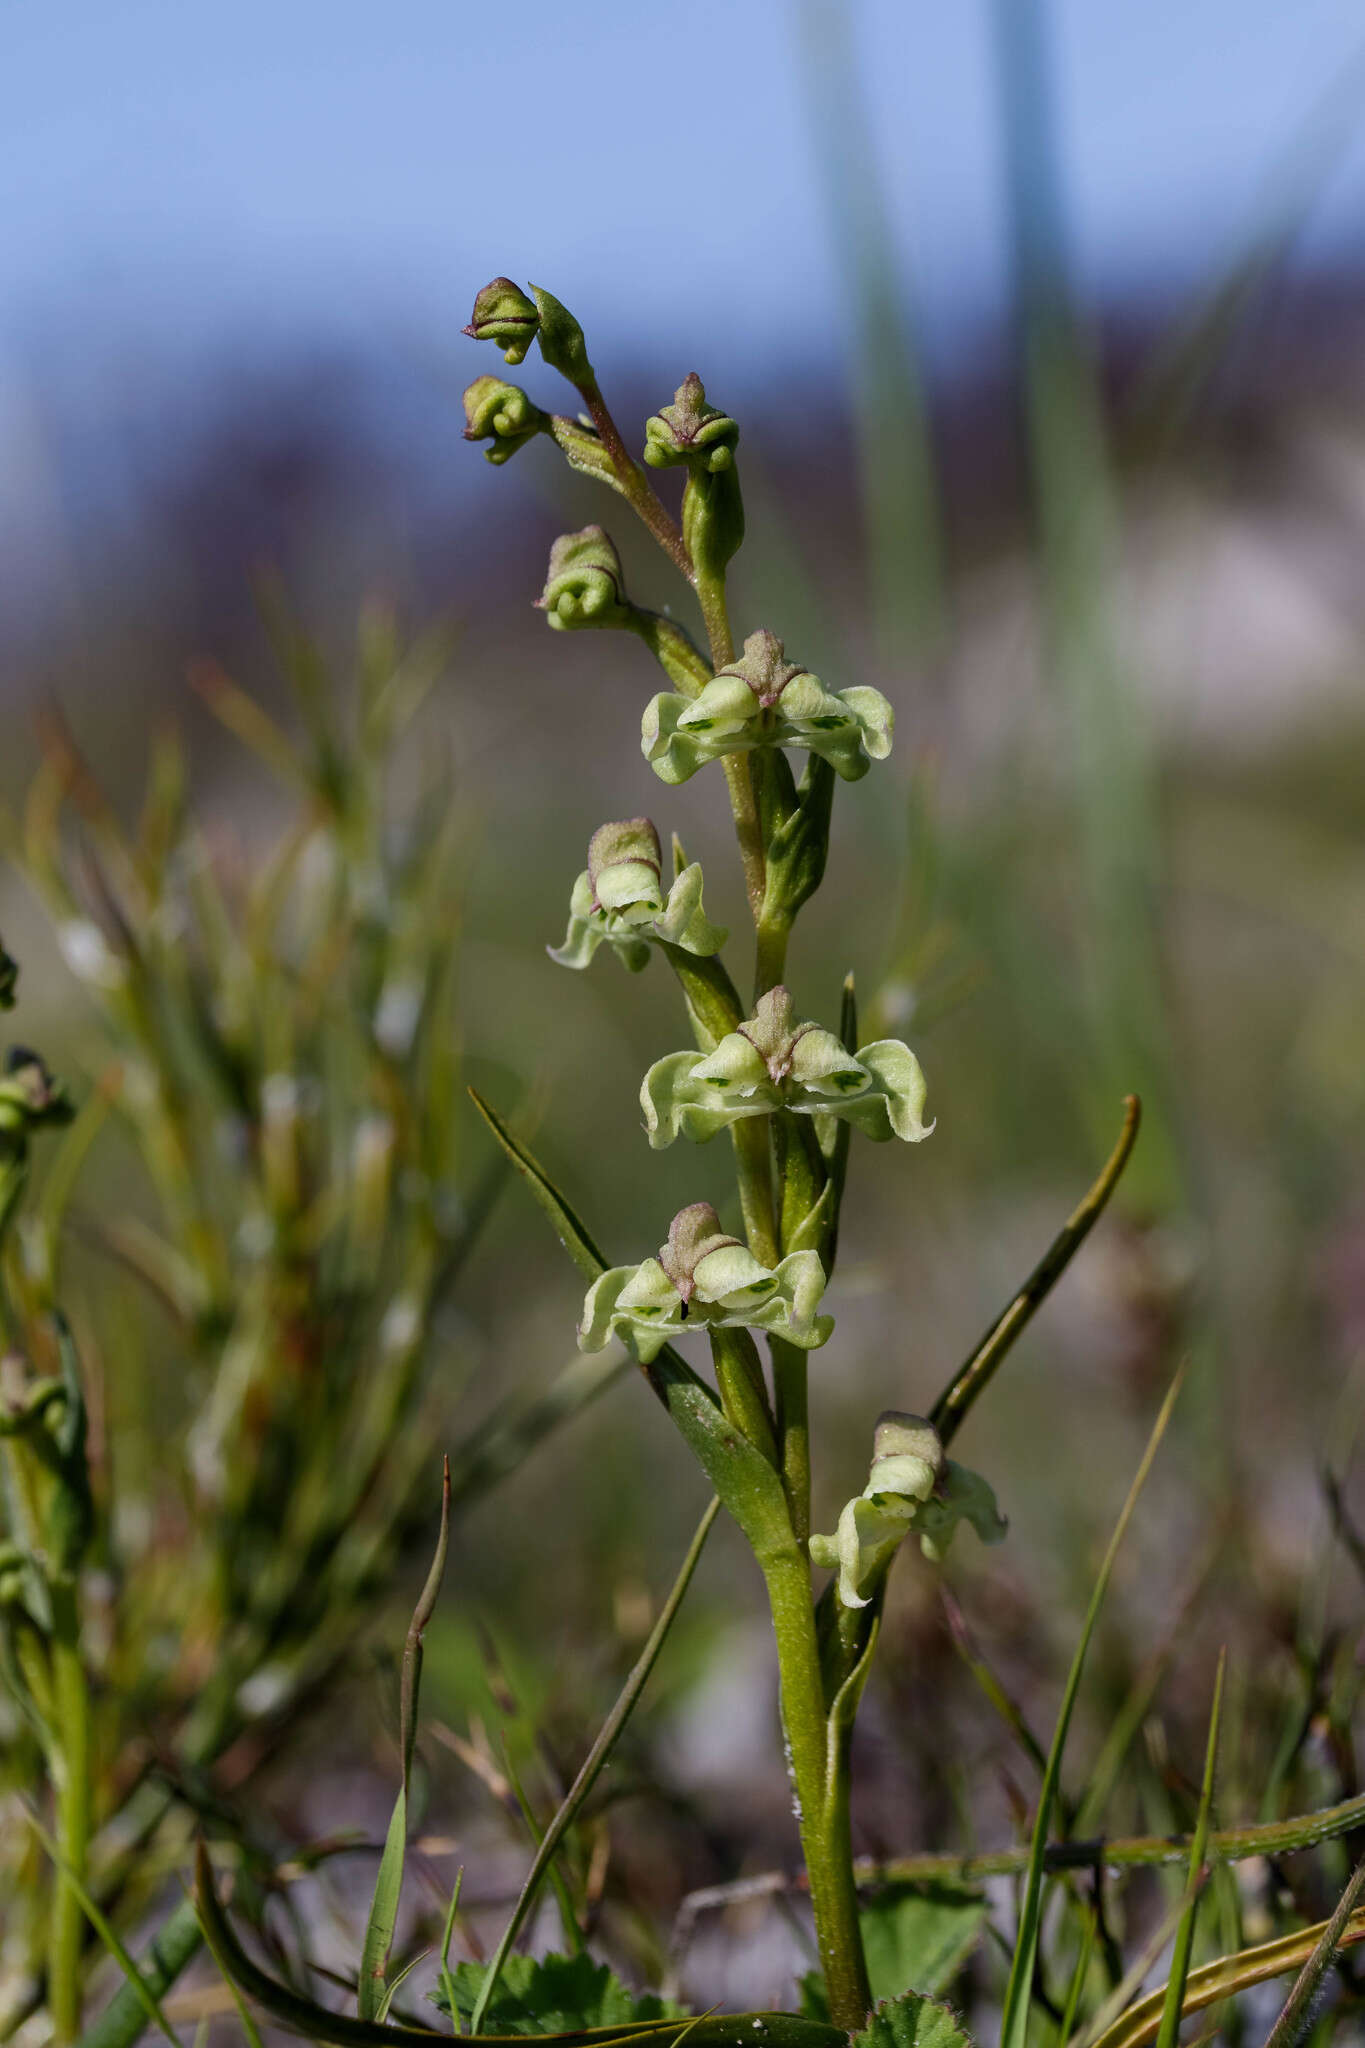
[(703, 1279), (773, 1062), (620, 898), (763, 700), (912, 1488), (503, 313)]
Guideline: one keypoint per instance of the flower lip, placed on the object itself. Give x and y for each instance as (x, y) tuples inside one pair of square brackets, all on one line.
[(633, 841)]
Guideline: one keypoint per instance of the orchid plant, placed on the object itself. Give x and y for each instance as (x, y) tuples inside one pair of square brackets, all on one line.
[(789, 1089)]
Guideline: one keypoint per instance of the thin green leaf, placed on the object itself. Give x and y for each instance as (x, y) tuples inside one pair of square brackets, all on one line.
[(171, 1949), (1184, 1938), (1014, 2020), (970, 1381), (608, 1736), (395, 1984), (137, 1984), (568, 1228), (388, 1885)]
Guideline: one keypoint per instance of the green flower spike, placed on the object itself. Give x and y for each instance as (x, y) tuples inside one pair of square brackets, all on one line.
[(772, 1063), (691, 431), (763, 700), (503, 313), (619, 897), (704, 1280), (585, 586), (503, 413), (911, 1488)]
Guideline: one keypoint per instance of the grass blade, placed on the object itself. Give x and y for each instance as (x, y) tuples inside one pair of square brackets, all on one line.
[(1014, 2021), (971, 1380), (136, 1982), (1169, 2033), (388, 1884), (608, 1736), (1297, 2008), (124, 2020)]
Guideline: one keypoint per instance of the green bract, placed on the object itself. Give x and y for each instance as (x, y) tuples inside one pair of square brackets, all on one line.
[(704, 1280), (773, 1062), (503, 313), (762, 700), (911, 1488), (584, 585), (620, 897), (502, 412)]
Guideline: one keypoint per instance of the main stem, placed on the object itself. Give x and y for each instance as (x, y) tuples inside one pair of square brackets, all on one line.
[(71, 1772), (821, 1795)]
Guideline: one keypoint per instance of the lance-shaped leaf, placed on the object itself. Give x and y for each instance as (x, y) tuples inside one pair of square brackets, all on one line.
[(619, 898), (774, 1062), (763, 700), (911, 1488), (703, 1279)]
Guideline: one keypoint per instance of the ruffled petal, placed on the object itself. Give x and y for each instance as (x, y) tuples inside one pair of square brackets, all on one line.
[(600, 1306), (684, 922), (897, 1073)]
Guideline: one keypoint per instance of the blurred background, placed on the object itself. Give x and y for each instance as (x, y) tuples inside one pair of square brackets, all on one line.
[(1044, 324)]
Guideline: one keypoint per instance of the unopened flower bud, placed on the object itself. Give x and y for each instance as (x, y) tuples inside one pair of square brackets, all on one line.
[(503, 313), (30, 1096), (691, 431), (585, 586), (503, 413)]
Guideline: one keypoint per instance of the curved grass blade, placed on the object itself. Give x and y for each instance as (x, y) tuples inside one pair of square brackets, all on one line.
[(1014, 2020), (1228, 1976), (1169, 2033), (371, 1997), (338, 2030), (607, 1738), (1297, 2009), (970, 1381), (569, 1228)]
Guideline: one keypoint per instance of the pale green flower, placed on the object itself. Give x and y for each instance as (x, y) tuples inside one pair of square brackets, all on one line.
[(773, 1062), (763, 700), (620, 897), (704, 1280), (912, 1488)]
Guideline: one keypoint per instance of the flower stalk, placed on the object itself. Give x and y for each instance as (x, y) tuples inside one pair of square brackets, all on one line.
[(786, 1088)]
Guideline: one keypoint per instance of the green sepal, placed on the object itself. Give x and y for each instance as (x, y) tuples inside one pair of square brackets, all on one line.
[(561, 338)]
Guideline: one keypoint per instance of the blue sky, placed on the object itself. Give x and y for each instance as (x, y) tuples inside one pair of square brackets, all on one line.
[(180, 173)]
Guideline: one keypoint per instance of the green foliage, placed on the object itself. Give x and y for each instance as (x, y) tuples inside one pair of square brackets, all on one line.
[(912, 2022), (915, 1937), (552, 1994)]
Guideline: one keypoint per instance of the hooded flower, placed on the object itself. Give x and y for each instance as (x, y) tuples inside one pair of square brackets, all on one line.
[(773, 1062), (584, 586), (704, 1280), (763, 700), (620, 897), (502, 412), (911, 1488)]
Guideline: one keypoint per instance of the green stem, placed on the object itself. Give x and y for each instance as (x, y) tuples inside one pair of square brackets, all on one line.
[(753, 1165), (790, 1391), (71, 1768), (822, 1808), (635, 485), (770, 958)]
